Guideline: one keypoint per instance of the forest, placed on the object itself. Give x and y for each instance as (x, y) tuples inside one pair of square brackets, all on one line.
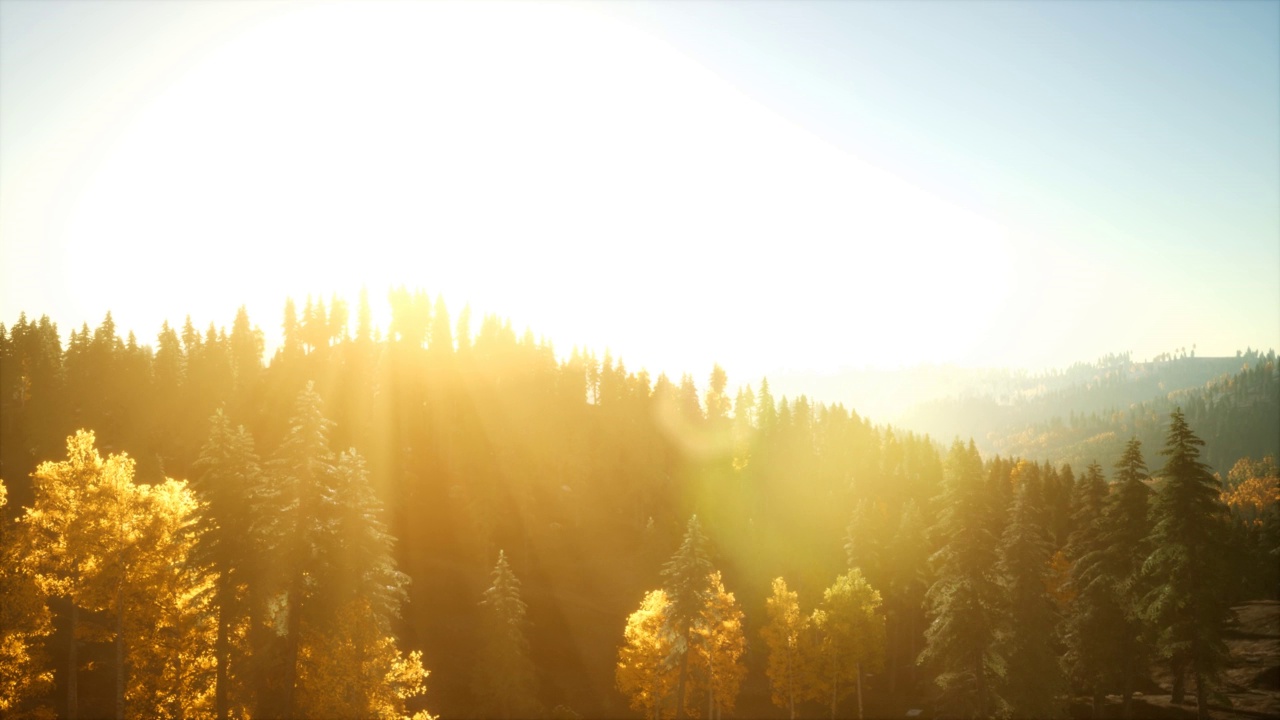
[(444, 518)]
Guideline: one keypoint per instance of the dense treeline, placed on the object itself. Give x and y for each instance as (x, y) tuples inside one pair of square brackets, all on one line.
[(579, 478)]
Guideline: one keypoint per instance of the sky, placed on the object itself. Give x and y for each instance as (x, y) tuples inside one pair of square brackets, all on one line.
[(770, 186)]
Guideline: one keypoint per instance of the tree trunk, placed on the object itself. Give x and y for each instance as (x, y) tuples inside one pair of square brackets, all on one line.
[(835, 692), (120, 651), (980, 685), (220, 657), (859, 691), (1202, 698), (791, 685), (1126, 694), (1098, 699), (290, 662), (684, 673), (1179, 683), (73, 692)]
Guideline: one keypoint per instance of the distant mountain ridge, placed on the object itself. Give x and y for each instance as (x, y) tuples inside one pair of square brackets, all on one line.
[(1089, 411), (1081, 413)]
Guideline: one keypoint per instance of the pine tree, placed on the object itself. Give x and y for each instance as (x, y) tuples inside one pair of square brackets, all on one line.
[(786, 635), (1033, 684), (1093, 613), (905, 595), (294, 512), (504, 681), (964, 601), (1188, 605), (349, 655), (686, 589), (228, 476), (1124, 529)]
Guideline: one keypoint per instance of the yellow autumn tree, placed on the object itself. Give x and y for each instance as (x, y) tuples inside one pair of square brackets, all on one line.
[(643, 673), (786, 634), (72, 539), (718, 645), (25, 677), (1252, 487), (353, 670), (170, 625), (123, 552)]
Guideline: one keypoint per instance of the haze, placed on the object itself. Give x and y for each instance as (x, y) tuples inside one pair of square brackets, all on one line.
[(800, 186)]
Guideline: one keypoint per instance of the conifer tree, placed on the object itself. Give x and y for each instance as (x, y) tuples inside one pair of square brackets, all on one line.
[(686, 590), (293, 518), (1187, 604), (228, 475), (504, 681), (905, 596), (1033, 684), (1123, 537), (964, 600), (786, 635)]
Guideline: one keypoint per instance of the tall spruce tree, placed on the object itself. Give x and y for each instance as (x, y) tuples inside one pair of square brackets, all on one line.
[(504, 680), (964, 601), (1033, 685), (685, 582), (1125, 526), (294, 514), (1188, 604), (228, 473), (1092, 613)]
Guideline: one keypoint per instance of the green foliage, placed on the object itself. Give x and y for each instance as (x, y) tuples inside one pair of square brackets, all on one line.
[(504, 681), (964, 603), (1033, 684), (1188, 602)]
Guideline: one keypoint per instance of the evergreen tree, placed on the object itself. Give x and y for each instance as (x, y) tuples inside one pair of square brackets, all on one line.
[(1123, 537), (228, 475), (686, 589), (1033, 684), (294, 515), (504, 681), (964, 601), (1187, 604), (1093, 613)]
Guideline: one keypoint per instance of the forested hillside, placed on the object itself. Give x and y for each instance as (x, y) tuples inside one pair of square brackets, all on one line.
[(1090, 409), (558, 535)]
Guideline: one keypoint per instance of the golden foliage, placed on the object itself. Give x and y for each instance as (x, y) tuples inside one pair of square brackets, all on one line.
[(719, 644), (643, 673), (351, 669), (24, 623), (787, 635), (1252, 487)]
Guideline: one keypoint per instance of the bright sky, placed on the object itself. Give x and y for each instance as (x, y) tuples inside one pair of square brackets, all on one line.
[(794, 185)]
